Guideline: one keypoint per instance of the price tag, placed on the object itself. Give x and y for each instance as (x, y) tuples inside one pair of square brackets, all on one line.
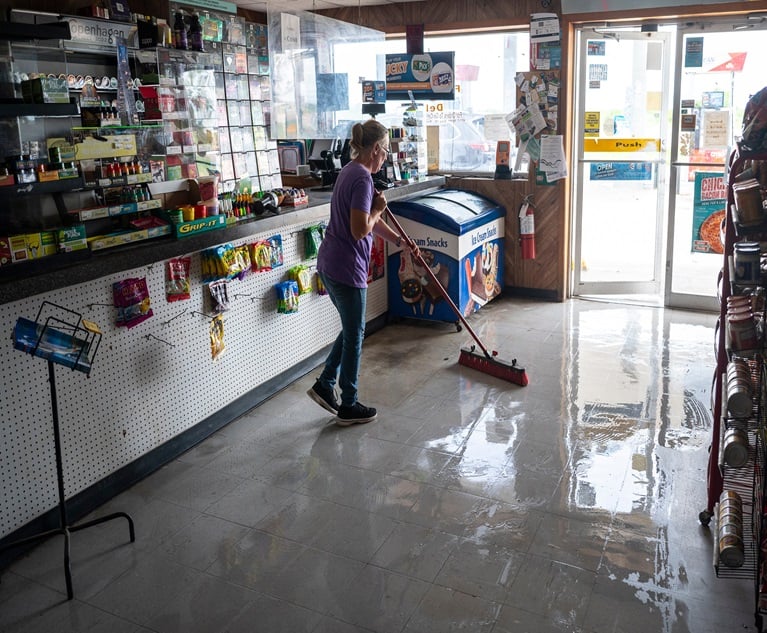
[(93, 214)]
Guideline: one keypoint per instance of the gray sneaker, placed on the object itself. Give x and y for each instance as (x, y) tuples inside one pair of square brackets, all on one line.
[(355, 414), (324, 397)]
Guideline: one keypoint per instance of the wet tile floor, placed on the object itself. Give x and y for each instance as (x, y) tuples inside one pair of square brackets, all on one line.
[(471, 504)]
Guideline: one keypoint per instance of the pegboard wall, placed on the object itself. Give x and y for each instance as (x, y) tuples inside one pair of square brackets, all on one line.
[(151, 382)]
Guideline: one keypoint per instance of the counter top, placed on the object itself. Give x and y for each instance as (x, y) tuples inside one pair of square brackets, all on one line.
[(18, 281)]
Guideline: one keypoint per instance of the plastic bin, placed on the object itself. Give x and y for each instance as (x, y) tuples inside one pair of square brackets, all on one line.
[(460, 234)]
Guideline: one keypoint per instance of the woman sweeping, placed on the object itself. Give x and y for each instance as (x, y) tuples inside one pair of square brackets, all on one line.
[(356, 211)]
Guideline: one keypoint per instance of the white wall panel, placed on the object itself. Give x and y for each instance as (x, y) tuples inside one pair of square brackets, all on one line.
[(149, 383)]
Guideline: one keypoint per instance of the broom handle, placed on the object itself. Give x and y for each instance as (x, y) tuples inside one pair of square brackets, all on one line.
[(433, 278)]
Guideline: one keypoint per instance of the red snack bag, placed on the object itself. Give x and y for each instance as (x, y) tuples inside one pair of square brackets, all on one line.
[(177, 283)]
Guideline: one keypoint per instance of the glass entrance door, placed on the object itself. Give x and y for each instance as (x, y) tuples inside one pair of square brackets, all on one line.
[(619, 196), (719, 68)]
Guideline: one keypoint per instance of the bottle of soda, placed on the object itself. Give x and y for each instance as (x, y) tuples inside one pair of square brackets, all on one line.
[(179, 32), (195, 34)]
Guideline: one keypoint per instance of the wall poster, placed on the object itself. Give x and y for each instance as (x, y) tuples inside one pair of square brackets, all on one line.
[(709, 204)]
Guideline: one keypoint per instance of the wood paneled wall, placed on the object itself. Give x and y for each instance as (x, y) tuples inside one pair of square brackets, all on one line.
[(543, 276)]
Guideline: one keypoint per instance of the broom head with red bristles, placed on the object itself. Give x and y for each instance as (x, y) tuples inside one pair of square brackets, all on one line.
[(493, 366)]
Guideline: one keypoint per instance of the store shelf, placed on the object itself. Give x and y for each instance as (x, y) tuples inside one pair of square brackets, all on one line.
[(41, 188), (121, 181), (95, 213), (19, 108), (21, 31)]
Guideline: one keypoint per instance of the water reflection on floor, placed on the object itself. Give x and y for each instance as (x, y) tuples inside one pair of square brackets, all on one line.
[(470, 504)]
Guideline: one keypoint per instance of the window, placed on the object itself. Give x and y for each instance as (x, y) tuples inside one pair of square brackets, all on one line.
[(485, 68)]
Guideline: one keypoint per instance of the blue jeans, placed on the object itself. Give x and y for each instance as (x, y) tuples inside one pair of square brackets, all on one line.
[(343, 361)]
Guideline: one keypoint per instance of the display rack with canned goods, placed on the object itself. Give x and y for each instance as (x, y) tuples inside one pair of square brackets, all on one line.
[(737, 457)]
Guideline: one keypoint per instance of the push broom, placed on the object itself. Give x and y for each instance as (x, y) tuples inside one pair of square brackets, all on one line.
[(486, 362)]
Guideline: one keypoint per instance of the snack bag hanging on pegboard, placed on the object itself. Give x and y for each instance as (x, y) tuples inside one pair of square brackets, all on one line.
[(287, 297), (261, 256), (313, 238), (177, 284), (321, 290), (131, 298), (242, 265), (217, 345), (218, 292), (303, 278), (278, 258)]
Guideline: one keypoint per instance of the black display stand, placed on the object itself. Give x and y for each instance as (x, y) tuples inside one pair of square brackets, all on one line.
[(73, 345)]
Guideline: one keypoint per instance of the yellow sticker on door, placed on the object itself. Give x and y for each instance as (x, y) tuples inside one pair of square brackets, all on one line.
[(621, 145)]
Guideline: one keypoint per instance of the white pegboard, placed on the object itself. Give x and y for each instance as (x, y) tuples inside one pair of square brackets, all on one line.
[(149, 383)]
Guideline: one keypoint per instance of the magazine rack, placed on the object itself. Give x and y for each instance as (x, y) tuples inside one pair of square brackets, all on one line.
[(62, 338)]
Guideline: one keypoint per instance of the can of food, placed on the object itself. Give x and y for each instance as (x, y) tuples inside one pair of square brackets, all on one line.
[(746, 259), (730, 495), (748, 202), (730, 529), (739, 366), (730, 502), (740, 403), (742, 331), (730, 505), (729, 516), (735, 444), (731, 551)]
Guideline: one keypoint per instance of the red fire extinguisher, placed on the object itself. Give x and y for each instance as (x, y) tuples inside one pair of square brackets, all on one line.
[(527, 229)]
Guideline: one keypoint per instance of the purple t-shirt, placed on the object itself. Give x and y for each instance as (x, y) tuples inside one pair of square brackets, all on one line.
[(341, 257)]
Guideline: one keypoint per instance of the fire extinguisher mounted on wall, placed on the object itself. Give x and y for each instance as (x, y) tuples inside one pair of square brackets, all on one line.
[(527, 228)]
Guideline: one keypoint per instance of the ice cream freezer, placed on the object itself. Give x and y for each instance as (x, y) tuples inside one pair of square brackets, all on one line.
[(460, 235)]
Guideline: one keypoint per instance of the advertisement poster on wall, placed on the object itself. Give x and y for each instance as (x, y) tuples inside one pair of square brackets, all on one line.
[(709, 204), (429, 76)]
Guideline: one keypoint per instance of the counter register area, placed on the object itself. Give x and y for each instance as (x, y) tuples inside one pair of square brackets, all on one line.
[(155, 391)]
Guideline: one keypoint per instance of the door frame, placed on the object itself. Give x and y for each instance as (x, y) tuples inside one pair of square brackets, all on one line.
[(724, 24), (674, 299), (578, 288)]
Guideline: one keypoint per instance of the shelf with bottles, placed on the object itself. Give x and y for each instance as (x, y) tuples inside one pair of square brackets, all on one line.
[(117, 196)]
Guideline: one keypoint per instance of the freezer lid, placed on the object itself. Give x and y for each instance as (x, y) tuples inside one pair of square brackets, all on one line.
[(450, 210)]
